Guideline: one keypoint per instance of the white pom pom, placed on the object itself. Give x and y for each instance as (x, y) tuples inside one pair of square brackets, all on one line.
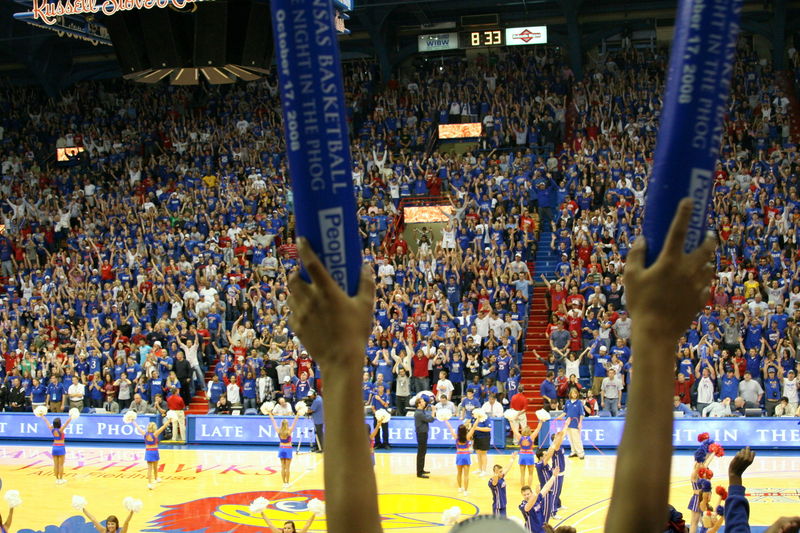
[(129, 417), (74, 413), (301, 408), (79, 502), (511, 414), (383, 416), (13, 499), (258, 505), (40, 410), (479, 414), (267, 407), (450, 516), (172, 415), (316, 506), (132, 504), (543, 415), (444, 414)]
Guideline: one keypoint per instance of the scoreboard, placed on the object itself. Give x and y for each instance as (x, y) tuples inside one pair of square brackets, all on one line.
[(484, 38)]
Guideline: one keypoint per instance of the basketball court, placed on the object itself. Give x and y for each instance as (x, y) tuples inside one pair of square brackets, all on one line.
[(208, 489)]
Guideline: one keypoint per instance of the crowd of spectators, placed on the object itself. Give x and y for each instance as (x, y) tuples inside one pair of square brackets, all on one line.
[(741, 352), (163, 249)]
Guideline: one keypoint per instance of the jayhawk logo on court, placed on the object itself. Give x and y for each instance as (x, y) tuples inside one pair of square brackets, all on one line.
[(231, 512)]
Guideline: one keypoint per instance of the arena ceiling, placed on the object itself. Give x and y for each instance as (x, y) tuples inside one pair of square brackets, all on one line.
[(34, 56)]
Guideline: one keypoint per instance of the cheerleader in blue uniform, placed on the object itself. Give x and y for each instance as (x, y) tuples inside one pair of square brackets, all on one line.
[(701, 486), (545, 471), (497, 484), (526, 461), (151, 455), (533, 505), (463, 439), (59, 451), (285, 446)]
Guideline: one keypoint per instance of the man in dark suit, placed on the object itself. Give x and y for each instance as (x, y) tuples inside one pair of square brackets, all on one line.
[(422, 420)]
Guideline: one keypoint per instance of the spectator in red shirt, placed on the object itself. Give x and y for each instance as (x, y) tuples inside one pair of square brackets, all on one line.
[(683, 389), (420, 374), (175, 413)]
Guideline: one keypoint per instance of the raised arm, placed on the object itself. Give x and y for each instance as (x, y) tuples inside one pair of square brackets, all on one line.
[(318, 309), (97, 525), (638, 502), (270, 525), (308, 523), (127, 522)]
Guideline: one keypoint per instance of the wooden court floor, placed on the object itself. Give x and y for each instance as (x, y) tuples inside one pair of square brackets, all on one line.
[(209, 490)]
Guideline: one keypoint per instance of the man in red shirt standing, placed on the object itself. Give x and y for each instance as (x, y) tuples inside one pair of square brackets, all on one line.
[(519, 403), (419, 380), (175, 413)]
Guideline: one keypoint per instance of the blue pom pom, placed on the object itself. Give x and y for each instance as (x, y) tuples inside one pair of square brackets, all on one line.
[(700, 455), (720, 510)]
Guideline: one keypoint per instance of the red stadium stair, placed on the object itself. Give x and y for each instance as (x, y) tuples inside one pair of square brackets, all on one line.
[(533, 371), (199, 404)]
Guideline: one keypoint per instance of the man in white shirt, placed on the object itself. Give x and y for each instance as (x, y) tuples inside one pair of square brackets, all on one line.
[(717, 409), (483, 323), (445, 403), (232, 391), (76, 392), (282, 408), (705, 390), (493, 408)]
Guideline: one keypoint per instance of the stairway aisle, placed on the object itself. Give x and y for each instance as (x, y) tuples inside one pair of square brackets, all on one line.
[(533, 371), (199, 404)]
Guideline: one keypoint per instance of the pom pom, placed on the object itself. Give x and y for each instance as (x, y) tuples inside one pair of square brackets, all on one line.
[(479, 414), (720, 510), (702, 437), (13, 499), (383, 416), (129, 417), (316, 506), (511, 414), (172, 415), (713, 447), (450, 516), (443, 414), (721, 492), (258, 505), (701, 472), (267, 407), (132, 504), (709, 474), (40, 410), (301, 408), (543, 415), (700, 455), (74, 413), (79, 502), (720, 451)]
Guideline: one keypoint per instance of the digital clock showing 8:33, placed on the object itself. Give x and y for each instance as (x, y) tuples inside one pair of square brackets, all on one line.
[(490, 37)]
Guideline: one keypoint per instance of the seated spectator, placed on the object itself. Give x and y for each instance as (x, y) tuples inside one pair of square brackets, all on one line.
[(679, 407), (223, 406), (283, 408)]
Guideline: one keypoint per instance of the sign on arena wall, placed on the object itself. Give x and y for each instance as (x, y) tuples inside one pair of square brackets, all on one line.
[(526, 35), (26, 426), (437, 42), (213, 429), (732, 432), (48, 11)]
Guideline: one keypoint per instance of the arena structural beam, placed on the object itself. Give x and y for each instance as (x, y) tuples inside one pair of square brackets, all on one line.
[(571, 9)]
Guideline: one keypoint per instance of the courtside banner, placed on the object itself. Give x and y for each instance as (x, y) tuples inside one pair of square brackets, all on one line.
[(735, 432), (691, 127), (26, 426), (222, 429), (316, 134)]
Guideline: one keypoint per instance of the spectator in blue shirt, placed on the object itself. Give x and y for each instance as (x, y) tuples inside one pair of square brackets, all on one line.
[(679, 406), (548, 389)]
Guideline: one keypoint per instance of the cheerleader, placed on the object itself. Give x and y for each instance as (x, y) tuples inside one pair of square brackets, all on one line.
[(497, 484), (288, 526), (372, 432), (151, 450), (463, 439), (482, 442), (533, 505), (112, 523), (545, 472), (59, 451), (701, 486), (285, 446), (526, 461)]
